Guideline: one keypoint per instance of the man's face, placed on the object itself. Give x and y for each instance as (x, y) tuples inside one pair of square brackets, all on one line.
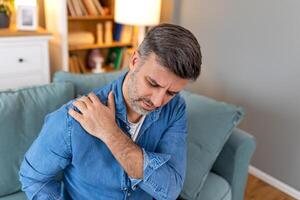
[(151, 85)]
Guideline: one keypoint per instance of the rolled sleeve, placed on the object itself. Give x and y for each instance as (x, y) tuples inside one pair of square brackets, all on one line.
[(48, 155), (152, 161), (164, 169)]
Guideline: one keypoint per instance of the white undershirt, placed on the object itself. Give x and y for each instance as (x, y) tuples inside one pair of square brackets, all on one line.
[(135, 128)]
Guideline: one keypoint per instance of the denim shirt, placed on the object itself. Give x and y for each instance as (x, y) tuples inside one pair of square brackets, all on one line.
[(90, 170)]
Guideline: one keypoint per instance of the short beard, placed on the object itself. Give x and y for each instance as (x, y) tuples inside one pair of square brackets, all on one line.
[(133, 94)]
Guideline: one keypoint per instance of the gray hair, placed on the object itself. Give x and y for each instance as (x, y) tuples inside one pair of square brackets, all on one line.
[(176, 48)]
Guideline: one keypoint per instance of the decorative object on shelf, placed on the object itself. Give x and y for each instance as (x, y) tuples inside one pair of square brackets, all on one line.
[(5, 13), (138, 12), (27, 18), (95, 61)]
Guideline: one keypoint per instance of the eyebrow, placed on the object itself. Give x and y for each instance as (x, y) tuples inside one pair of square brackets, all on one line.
[(154, 82)]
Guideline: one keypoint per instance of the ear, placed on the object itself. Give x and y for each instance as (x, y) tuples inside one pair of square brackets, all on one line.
[(134, 60)]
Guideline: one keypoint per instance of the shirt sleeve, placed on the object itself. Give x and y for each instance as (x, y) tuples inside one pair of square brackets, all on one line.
[(48, 155), (164, 169)]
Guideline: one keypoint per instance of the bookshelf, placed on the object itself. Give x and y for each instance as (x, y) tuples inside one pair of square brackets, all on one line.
[(63, 24)]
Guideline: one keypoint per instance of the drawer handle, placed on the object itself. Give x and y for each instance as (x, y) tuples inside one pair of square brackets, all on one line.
[(21, 60)]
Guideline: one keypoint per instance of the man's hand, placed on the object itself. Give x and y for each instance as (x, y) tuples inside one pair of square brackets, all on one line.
[(96, 118), (99, 121)]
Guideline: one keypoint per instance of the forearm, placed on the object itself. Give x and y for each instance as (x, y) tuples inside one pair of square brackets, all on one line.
[(128, 154), (37, 185)]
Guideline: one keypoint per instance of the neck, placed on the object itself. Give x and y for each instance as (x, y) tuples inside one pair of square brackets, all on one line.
[(131, 114)]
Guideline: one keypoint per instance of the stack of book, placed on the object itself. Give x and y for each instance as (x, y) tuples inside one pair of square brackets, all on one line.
[(123, 33), (76, 65), (86, 8)]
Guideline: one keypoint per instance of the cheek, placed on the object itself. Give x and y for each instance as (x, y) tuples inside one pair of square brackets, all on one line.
[(143, 89), (167, 99)]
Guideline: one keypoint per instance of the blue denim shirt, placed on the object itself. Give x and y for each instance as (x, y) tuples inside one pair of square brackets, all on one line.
[(91, 171)]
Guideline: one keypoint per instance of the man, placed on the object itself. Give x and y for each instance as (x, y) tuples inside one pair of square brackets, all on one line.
[(126, 140)]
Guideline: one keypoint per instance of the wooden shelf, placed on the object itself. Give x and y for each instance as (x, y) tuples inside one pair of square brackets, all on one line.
[(13, 32), (107, 17), (98, 46)]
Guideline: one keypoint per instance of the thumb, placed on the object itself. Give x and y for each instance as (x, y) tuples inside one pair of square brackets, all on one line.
[(111, 102)]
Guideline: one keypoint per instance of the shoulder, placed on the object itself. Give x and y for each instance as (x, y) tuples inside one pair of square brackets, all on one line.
[(174, 109)]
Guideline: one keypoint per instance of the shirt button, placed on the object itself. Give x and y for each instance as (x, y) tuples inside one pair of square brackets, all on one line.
[(128, 194)]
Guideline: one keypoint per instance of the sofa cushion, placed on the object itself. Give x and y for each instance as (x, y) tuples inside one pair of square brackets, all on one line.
[(15, 196), (85, 83), (22, 114), (215, 188), (209, 125)]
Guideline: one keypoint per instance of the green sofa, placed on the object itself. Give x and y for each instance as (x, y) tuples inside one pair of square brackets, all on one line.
[(218, 152)]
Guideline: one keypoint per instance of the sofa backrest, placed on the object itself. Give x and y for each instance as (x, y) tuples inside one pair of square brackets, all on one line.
[(22, 115), (85, 83), (210, 124)]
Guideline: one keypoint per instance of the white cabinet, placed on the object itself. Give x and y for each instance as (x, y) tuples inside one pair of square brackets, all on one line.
[(24, 60)]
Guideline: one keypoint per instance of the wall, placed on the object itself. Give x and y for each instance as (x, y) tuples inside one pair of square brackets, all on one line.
[(251, 57)]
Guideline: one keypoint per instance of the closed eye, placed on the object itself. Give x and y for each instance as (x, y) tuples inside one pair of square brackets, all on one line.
[(152, 83), (171, 93)]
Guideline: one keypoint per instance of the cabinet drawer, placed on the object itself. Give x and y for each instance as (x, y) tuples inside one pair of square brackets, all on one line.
[(16, 58)]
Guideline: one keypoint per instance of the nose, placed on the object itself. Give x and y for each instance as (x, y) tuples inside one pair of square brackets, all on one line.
[(158, 98)]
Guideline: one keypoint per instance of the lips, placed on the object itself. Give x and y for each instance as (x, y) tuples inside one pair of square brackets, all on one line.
[(147, 105)]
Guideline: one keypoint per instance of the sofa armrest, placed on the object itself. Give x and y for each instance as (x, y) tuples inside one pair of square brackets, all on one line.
[(233, 161)]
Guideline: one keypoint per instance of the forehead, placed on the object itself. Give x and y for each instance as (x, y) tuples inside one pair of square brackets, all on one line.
[(162, 75)]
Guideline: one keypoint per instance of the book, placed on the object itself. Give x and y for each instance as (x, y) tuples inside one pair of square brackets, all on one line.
[(126, 57), (90, 7), (74, 66), (99, 7), (114, 57), (117, 32), (99, 33), (81, 37), (83, 9), (77, 7), (127, 34), (108, 27), (71, 65), (81, 65), (71, 8)]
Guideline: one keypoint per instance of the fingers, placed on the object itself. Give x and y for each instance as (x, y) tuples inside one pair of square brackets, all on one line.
[(75, 115), (111, 102), (83, 103), (93, 98), (86, 100), (80, 105)]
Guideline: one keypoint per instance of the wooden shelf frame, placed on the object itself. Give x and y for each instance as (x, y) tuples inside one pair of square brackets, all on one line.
[(98, 46), (96, 17)]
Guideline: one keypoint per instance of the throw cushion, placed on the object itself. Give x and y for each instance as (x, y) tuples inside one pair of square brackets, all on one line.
[(209, 125), (22, 114), (85, 83)]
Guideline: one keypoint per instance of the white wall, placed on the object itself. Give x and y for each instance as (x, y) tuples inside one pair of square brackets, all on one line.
[(251, 57)]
